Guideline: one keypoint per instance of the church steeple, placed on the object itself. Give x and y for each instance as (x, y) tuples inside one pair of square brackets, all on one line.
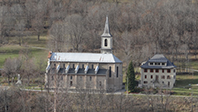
[(106, 29), (106, 39)]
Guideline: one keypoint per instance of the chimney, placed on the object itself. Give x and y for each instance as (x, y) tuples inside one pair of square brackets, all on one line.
[(49, 54)]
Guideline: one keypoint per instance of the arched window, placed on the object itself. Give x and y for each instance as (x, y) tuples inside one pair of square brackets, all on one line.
[(109, 71), (117, 72), (105, 42)]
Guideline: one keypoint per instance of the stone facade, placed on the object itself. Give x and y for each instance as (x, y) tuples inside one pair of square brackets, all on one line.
[(158, 72), (106, 79)]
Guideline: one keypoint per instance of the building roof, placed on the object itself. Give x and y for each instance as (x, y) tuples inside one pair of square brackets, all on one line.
[(106, 32), (80, 71), (84, 57), (159, 58)]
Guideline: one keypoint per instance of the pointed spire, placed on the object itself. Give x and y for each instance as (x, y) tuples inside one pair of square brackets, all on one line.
[(106, 29)]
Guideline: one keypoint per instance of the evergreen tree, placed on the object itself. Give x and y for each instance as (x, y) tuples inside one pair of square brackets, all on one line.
[(131, 77)]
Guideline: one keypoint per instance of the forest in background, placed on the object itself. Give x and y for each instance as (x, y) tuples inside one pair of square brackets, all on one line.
[(140, 28)]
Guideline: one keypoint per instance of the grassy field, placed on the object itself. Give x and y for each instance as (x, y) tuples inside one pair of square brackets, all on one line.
[(186, 85), (37, 49)]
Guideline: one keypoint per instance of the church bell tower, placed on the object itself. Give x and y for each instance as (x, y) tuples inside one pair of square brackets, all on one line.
[(106, 39)]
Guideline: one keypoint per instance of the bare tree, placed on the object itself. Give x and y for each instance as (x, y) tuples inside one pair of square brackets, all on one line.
[(75, 31), (12, 67)]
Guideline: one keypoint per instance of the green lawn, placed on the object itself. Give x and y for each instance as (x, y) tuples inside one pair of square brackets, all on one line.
[(13, 50), (186, 85)]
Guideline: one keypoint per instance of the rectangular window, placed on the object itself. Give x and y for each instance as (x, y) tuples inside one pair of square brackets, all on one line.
[(145, 76), (168, 77), (157, 70), (151, 70), (109, 71), (145, 82), (73, 66), (168, 84), (155, 63), (70, 83), (162, 70), (92, 66), (163, 63), (168, 71), (71, 77), (151, 63), (163, 77), (158, 63), (82, 66), (90, 78), (63, 65), (151, 76), (145, 70)]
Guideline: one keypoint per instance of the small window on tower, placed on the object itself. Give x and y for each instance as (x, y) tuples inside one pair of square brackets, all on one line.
[(105, 43)]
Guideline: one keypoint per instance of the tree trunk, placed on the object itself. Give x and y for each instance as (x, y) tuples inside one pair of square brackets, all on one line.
[(9, 79), (38, 36), (28, 80)]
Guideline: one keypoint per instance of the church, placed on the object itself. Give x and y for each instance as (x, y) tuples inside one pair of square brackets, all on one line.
[(86, 71)]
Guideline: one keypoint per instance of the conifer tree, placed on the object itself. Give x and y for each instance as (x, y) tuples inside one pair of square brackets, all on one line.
[(131, 77)]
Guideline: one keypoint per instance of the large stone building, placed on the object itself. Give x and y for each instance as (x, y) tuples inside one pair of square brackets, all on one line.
[(158, 72), (93, 71)]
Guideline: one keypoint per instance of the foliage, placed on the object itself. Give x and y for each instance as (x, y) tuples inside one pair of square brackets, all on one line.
[(131, 77)]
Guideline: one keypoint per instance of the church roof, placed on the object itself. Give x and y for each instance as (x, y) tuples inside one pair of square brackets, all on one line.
[(161, 59), (84, 57), (106, 29)]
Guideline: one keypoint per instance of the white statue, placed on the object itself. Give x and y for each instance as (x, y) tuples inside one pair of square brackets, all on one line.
[(18, 80)]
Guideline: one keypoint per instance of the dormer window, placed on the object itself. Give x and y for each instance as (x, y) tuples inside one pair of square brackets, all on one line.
[(151, 63), (163, 63), (83, 66)]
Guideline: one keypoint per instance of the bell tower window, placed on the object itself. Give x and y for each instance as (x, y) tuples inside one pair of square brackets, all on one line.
[(105, 42)]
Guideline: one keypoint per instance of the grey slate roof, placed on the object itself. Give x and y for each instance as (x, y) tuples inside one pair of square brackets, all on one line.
[(158, 58), (84, 57)]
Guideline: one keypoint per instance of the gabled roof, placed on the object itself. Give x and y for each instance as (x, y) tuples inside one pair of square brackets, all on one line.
[(84, 57), (158, 58), (106, 32)]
